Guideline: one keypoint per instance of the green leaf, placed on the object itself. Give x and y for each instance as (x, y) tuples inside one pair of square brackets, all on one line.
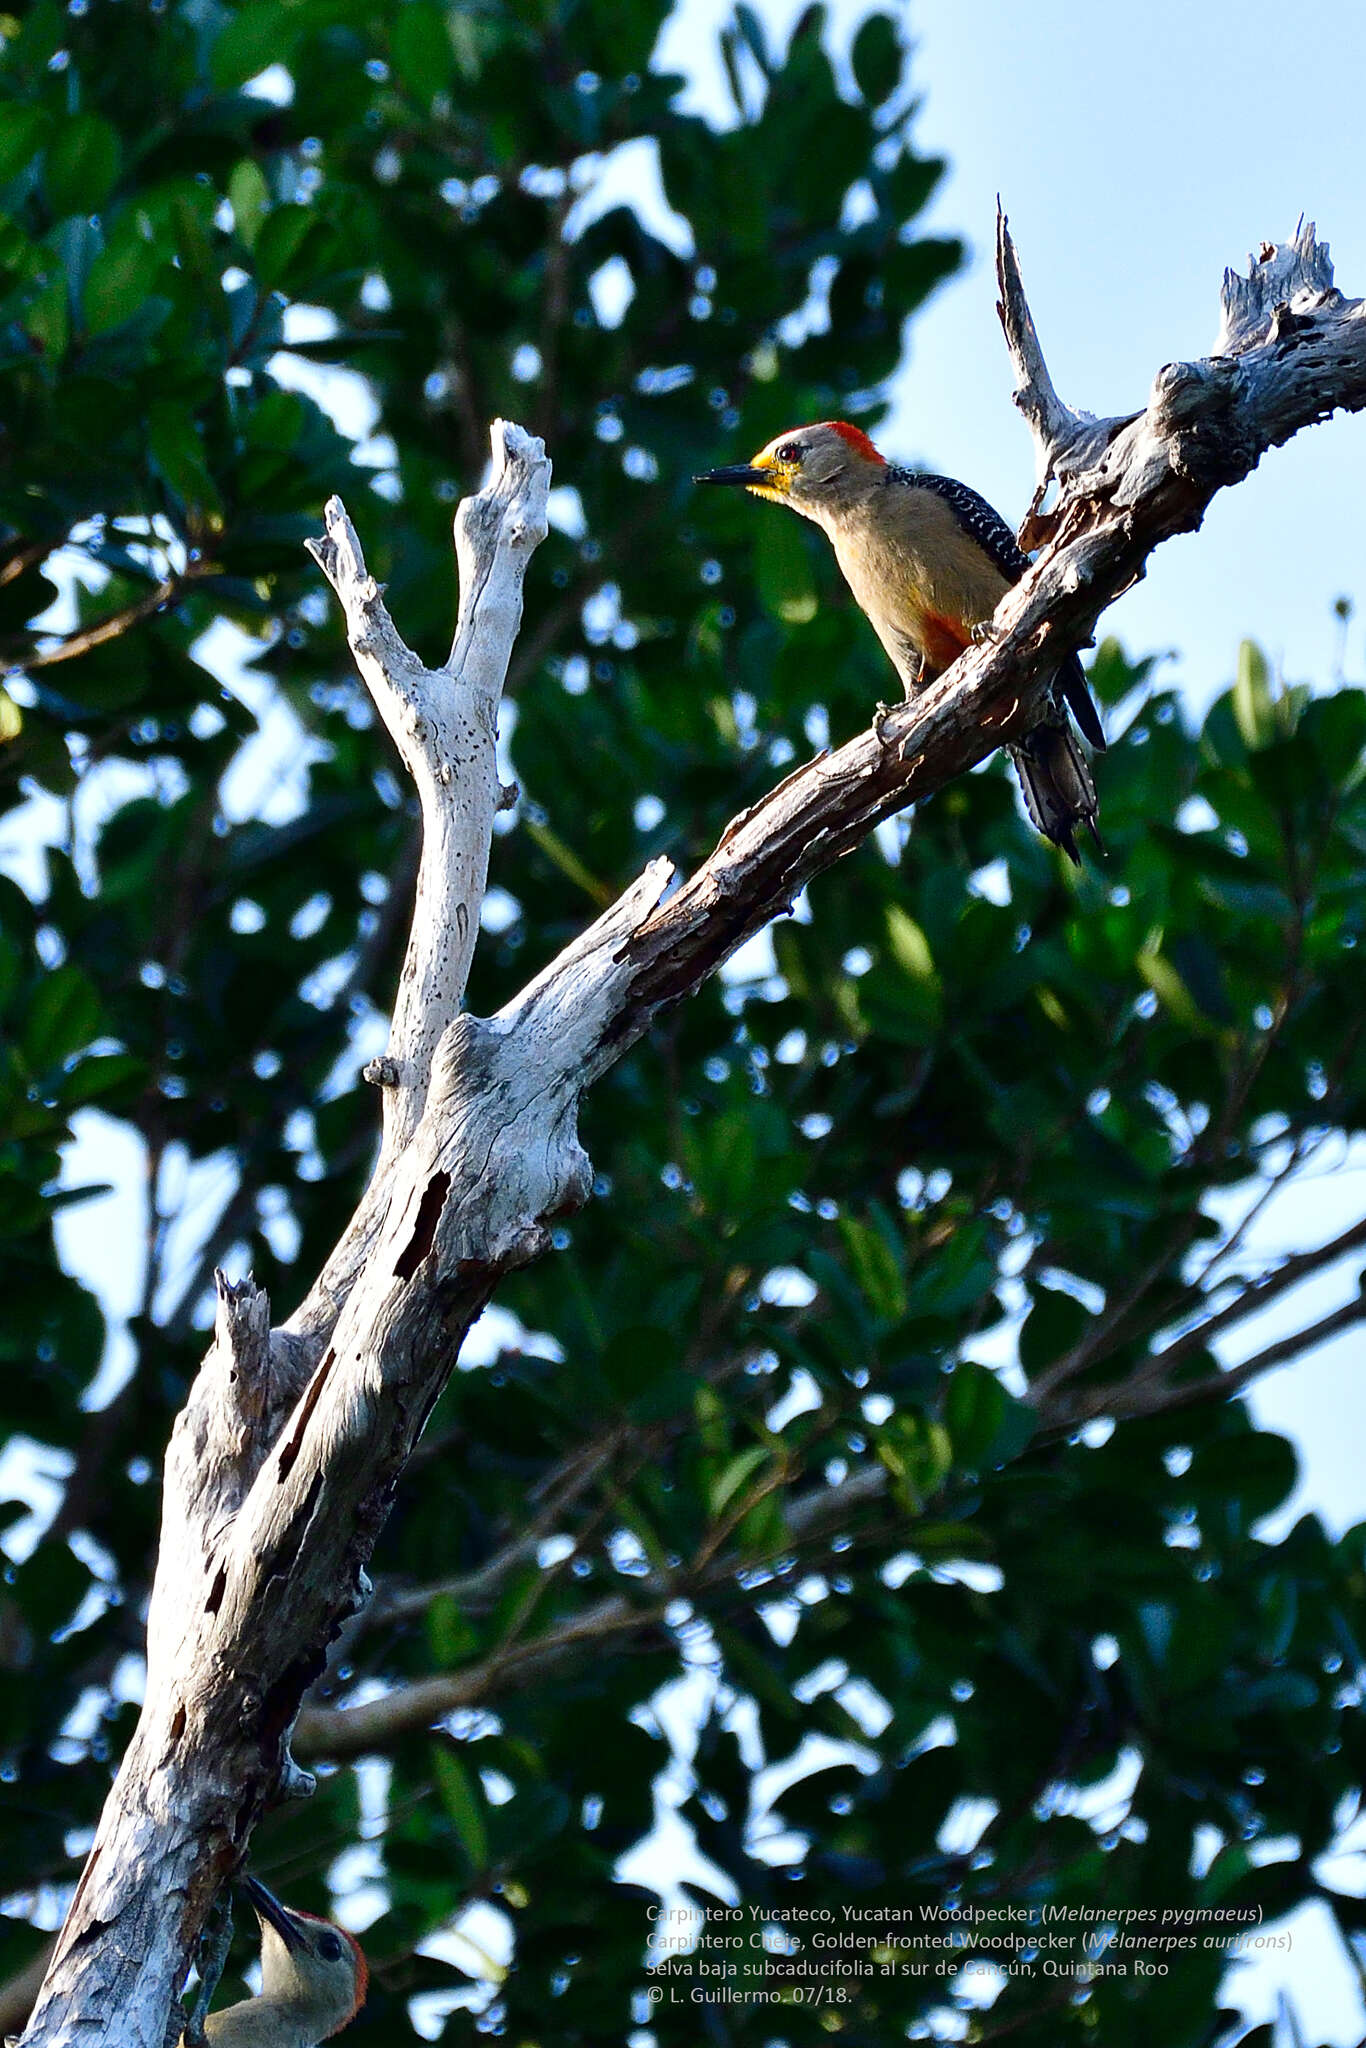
[(451, 1637), (974, 1409), (751, 30), (62, 1019), (733, 1476), (21, 135), (1170, 989), (422, 52), (102, 1076), (120, 279), (1056, 1323), (47, 319), (958, 1275), (22, 1210), (723, 1160), (281, 237), (910, 948), (1201, 1641), (82, 164), (50, 1586), (254, 37), (918, 1453), (762, 1529), (1276, 1692), (463, 1803), (470, 38), (173, 437), (250, 198), (877, 59), (1253, 1467), (878, 1267), (1254, 707), (942, 1540), (1196, 960), (634, 1360), (1280, 1606), (277, 422)]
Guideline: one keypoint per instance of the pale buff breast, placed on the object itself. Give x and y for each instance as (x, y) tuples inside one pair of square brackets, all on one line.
[(922, 582)]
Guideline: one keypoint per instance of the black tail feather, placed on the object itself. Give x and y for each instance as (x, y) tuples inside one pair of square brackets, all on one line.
[(1058, 791), (1072, 678)]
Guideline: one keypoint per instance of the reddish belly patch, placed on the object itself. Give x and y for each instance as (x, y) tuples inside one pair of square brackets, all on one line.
[(944, 640)]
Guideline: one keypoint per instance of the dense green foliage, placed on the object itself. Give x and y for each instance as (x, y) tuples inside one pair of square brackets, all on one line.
[(966, 1121)]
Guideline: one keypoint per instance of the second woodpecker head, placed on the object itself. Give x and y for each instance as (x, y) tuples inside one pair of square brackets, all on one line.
[(819, 471), (308, 1964)]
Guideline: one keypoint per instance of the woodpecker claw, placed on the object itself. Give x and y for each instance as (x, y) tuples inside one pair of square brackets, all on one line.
[(211, 1956), (881, 714), (295, 1781)]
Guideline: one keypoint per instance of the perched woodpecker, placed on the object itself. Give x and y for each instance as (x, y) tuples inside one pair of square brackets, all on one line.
[(929, 561), (313, 1979)]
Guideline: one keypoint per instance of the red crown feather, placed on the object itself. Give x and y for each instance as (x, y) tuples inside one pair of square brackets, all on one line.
[(856, 438)]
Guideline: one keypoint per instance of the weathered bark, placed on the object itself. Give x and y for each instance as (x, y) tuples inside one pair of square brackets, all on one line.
[(285, 1461)]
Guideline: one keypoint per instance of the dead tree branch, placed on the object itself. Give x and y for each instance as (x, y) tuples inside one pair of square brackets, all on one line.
[(284, 1464)]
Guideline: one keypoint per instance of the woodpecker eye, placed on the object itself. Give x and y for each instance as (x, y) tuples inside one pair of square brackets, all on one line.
[(330, 1948), (791, 451)]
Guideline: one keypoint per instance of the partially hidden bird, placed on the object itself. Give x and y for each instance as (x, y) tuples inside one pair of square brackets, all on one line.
[(928, 561), (313, 1981)]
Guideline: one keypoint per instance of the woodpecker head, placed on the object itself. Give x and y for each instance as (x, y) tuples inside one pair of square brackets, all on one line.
[(308, 1967), (816, 470)]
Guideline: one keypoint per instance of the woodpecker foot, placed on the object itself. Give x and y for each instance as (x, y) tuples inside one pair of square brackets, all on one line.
[(880, 716), (295, 1781), (983, 631), (210, 1959), (381, 1073)]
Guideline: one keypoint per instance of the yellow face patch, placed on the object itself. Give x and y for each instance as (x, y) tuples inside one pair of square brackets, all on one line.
[(780, 475)]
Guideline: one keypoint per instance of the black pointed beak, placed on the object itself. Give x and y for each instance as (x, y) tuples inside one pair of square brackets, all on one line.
[(738, 473), (268, 1907)]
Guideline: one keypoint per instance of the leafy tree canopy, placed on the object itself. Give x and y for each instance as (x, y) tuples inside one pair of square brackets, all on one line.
[(843, 1394)]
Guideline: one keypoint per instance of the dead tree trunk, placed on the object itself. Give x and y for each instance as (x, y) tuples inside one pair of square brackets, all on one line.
[(286, 1458)]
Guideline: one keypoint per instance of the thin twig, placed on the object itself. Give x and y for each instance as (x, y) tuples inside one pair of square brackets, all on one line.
[(111, 628), (1136, 1397)]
